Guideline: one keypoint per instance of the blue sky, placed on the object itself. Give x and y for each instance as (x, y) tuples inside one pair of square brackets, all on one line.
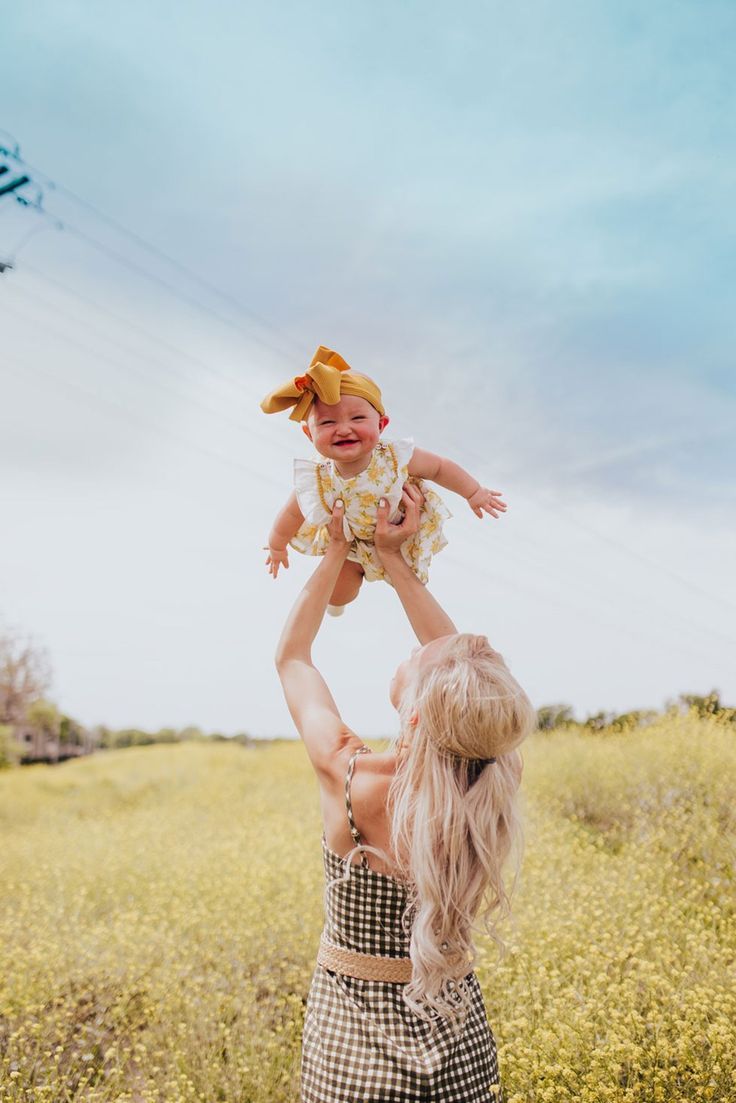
[(519, 220)]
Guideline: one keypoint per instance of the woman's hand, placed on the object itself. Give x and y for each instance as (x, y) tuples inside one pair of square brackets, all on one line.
[(389, 537), (336, 528), (426, 616)]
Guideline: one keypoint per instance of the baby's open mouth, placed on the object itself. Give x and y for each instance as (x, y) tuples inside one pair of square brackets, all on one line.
[(340, 443)]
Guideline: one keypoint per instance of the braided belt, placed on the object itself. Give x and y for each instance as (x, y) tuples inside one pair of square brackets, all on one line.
[(351, 963)]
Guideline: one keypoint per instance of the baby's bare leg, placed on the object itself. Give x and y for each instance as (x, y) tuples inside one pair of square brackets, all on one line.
[(348, 583)]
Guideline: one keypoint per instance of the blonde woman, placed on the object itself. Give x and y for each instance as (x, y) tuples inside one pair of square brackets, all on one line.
[(414, 843)]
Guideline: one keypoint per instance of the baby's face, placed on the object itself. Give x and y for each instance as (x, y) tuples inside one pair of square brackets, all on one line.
[(346, 432)]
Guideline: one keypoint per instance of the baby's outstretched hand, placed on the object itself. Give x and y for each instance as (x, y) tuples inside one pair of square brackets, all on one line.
[(277, 557), (484, 500)]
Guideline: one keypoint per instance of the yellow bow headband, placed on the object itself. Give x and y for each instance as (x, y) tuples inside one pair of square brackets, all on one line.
[(327, 377)]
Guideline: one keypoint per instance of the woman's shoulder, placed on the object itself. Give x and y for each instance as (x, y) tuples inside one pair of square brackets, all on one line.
[(372, 776), (371, 769), (368, 792)]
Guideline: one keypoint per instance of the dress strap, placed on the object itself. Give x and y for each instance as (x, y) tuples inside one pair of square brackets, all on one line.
[(349, 807)]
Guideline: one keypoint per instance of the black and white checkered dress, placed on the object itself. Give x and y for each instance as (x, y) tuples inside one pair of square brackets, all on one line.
[(361, 1043)]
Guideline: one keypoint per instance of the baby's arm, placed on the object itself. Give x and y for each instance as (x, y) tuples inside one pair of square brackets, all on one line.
[(287, 524), (447, 473)]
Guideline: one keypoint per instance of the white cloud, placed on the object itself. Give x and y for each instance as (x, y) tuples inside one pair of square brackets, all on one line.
[(522, 232)]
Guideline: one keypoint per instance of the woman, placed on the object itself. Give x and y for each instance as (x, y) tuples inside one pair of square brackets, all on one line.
[(414, 842)]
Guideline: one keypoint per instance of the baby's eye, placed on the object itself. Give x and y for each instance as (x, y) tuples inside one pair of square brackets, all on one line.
[(327, 423), (359, 417)]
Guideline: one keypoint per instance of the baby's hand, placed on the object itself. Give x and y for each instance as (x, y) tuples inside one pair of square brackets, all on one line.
[(277, 557), (484, 500)]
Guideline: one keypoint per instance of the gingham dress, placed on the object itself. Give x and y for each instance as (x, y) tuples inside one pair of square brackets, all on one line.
[(361, 1043)]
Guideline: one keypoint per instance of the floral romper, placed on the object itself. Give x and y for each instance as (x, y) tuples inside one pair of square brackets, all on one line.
[(361, 1043), (318, 485)]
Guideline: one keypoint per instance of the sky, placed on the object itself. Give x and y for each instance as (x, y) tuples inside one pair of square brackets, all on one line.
[(518, 219)]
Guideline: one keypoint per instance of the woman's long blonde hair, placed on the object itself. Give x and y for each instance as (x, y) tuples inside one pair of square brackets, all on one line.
[(453, 816)]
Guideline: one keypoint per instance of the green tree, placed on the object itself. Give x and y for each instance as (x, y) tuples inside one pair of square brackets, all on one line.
[(72, 733), (25, 675), (707, 705), (44, 717), (191, 732), (636, 718), (597, 721), (554, 716), (10, 748)]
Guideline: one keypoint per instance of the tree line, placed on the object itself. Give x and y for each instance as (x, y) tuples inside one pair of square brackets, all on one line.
[(550, 717), (34, 729)]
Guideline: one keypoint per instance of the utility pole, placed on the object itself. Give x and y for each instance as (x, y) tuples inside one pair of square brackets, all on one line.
[(12, 185)]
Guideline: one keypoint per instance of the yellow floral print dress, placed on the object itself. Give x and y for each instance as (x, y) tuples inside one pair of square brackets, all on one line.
[(318, 485)]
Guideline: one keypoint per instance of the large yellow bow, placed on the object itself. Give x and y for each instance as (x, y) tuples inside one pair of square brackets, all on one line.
[(327, 377)]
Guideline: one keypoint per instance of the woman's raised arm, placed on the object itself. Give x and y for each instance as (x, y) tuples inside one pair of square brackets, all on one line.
[(310, 702), (426, 616)]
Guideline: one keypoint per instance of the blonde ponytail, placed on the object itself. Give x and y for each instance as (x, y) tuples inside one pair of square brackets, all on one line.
[(453, 813)]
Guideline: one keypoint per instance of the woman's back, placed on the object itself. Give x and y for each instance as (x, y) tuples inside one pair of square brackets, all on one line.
[(361, 1040), (369, 784)]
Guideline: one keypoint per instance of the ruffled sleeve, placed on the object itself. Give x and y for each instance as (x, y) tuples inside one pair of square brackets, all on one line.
[(307, 486), (403, 450)]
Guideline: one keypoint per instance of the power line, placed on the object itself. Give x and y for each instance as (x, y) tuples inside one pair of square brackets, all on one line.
[(133, 266), (233, 420), (573, 585), (658, 566), (155, 251), (16, 144), (128, 367), (624, 549), (96, 397), (148, 246), (129, 323), (238, 425), (567, 605)]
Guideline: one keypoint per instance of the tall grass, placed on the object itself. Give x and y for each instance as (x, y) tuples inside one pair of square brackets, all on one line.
[(161, 909)]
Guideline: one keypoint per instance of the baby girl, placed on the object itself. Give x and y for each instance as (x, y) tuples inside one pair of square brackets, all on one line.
[(342, 414)]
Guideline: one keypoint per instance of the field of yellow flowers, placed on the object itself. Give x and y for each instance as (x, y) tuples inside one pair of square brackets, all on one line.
[(161, 907)]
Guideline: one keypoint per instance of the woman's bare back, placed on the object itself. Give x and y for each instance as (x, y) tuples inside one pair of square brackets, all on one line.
[(369, 788)]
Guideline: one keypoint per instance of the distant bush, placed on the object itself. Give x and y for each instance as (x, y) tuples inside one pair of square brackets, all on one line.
[(137, 737), (554, 716), (708, 705), (10, 748), (551, 717)]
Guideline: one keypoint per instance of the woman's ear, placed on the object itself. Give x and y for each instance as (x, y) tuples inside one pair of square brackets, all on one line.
[(306, 430), (383, 422)]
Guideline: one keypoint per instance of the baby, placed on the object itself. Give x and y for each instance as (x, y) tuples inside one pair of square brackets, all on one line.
[(342, 414)]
